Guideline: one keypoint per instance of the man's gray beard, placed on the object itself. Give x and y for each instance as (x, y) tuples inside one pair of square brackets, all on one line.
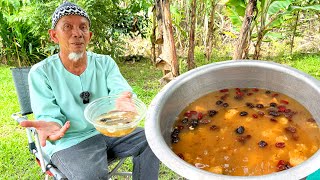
[(75, 56)]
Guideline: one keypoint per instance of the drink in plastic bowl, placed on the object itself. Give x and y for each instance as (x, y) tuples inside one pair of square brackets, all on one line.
[(115, 118)]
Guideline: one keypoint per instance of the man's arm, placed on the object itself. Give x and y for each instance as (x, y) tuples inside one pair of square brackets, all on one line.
[(50, 122)]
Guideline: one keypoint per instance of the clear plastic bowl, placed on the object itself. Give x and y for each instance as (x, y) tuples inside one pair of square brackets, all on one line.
[(113, 116)]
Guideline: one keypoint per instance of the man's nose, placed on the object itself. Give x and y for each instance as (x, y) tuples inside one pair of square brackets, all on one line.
[(76, 32)]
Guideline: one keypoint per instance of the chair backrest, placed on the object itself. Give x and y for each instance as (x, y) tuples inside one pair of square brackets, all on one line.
[(20, 79)]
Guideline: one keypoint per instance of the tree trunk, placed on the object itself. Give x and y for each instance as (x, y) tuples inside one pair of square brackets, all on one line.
[(210, 31), (258, 45), (245, 30), (191, 63), (200, 21), (247, 48), (159, 15), (205, 29), (169, 48), (153, 36), (294, 31), (262, 30)]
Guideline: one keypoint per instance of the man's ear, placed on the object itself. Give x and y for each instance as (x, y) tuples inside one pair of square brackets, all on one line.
[(53, 35), (90, 35)]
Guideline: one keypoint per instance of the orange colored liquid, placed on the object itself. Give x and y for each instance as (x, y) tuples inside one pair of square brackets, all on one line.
[(116, 133), (111, 124), (267, 143)]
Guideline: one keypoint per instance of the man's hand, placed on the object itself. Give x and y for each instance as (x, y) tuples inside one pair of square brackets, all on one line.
[(125, 102), (47, 130)]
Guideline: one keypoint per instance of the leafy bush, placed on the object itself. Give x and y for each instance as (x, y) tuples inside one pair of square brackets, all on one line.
[(24, 38), (20, 44)]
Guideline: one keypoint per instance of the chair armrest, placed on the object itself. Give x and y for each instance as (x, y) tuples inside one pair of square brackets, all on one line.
[(17, 117), (34, 146)]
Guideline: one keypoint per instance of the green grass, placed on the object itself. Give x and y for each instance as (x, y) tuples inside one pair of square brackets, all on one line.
[(143, 78), (308, 63), (17, 163), (15, 159)]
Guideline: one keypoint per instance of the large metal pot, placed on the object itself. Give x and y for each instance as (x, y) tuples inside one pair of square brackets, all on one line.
[(188, 87)]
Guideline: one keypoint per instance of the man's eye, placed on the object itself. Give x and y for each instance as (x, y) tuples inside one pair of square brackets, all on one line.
[(84, 28), (67, 27)]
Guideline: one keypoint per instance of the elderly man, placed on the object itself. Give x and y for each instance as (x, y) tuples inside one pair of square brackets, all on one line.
[(60, 88)]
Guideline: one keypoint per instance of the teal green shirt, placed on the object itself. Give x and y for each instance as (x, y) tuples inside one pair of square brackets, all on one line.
[(55, 94), (314, 176)]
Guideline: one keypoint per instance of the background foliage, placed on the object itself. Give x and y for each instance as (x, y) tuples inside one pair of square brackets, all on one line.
[(24, 37), (116, 25)]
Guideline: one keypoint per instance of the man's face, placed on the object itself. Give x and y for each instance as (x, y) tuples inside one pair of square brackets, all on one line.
[(72, 34)]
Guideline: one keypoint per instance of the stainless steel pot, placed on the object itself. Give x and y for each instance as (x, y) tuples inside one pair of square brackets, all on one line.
[(188, 87)]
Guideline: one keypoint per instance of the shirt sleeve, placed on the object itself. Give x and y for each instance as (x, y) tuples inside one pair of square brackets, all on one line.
[(43, 102), (115, 81)]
